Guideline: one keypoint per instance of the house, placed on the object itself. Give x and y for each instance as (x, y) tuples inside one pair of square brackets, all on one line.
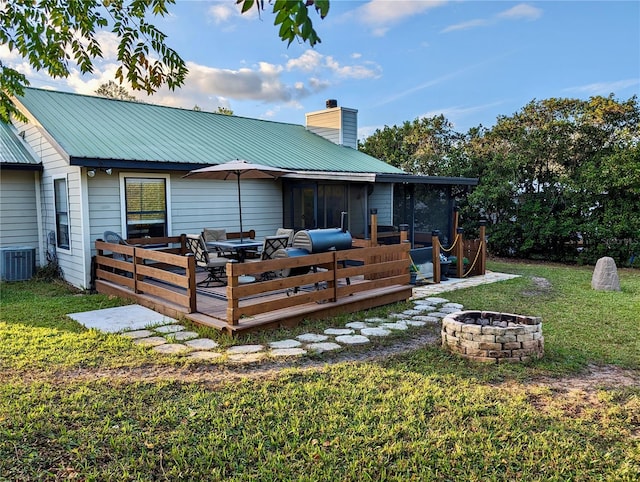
[(82, 165)]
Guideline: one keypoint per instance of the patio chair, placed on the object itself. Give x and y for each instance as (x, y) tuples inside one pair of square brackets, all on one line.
[(215, 265), (216, 234), (270, 246), (288, 232)]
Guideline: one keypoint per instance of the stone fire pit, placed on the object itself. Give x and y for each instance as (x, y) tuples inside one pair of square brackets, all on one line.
[(488, 336)]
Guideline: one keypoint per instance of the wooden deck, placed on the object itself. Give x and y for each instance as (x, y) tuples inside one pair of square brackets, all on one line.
[(331, 283)]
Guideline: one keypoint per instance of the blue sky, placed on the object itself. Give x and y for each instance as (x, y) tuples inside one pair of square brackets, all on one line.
[(395, 60)]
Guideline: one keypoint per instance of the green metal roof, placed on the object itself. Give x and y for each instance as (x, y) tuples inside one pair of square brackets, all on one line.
[(13, 152), (94, 129)]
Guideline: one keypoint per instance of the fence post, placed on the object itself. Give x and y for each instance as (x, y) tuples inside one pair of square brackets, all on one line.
[(374, 226), (191, 276), (483, 244), (135, 271), (404, 233), (233, 304), (456, 219), (435, 252), (460, 253), (183, 244)]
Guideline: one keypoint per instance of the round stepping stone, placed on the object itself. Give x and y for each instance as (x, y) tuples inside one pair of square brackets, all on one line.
[(151, 341), (437, 314), (399, 316), (185, 335), (436, 300), (375, 320), (352, 339), (375, 331), (284, 344), (288, 352), (411, 312), (423, 308), (246, 357), (201, 344), (448, 309), (415, 323), (396, 326), (244, 349), (171, 348), (356, 325), (311, 338), (137, 334), (426, 319), (169, 328), (338, 331), (204, 355), (453, 305), (322, 347)]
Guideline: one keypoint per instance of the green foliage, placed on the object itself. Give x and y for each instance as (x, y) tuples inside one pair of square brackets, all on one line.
[(53, 35), (293, 17), (558, 180), (112, 90)]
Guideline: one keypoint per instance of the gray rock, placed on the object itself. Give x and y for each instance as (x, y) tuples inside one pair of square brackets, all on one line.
[(184, 335), (338, 331), (401, 325), (352, 339), (169, 328), (137, 334), (375, 320), (288, 352), (171, 348), (426, 319), (311, 338), (284, 344), (322, 347), (356, 325), (244, 349), (201, 344), (150, 341), (376, 331), (204, 355), (605, 275)]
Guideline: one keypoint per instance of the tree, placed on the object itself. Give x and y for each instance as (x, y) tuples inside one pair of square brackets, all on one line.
[(112, 90), (50, 35), (224, 111), (418, 147)]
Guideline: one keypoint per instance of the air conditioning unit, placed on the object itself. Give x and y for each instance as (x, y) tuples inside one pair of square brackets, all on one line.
[(17, 263)]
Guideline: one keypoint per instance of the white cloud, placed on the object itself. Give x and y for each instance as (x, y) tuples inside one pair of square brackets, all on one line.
[(221, 13), (603, 88), (521, 11), (312, 61), (309, 61), (385, 12), (479, 22)]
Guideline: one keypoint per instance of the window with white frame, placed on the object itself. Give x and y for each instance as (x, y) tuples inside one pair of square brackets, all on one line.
[(61, 201), (145, 206)]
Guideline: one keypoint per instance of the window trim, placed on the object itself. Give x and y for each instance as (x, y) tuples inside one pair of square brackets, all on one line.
[(54, 179), (123, 197)]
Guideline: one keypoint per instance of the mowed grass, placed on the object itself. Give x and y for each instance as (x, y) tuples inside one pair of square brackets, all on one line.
[(425, 415)]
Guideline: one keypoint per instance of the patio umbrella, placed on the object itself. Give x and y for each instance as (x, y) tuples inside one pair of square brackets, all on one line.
[(238, 169)]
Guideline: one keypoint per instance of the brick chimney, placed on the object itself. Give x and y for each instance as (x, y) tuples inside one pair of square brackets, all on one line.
[(337, 124)]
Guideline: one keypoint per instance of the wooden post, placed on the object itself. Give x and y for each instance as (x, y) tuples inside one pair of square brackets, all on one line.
[(456, 220), (435, 252), (374, 227), (333, 284), (233, 304), (404, 233), (191, 275), (183, 244), (460, 253), (483, 244), (135, 271)]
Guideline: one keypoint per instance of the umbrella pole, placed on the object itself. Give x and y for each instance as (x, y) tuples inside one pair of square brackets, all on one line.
[(240, 205)]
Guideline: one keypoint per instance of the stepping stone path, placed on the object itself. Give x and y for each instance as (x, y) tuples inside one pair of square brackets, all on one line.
[(164, 339)]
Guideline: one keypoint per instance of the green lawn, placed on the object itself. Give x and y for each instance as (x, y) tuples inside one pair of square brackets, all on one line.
[(425, 415)]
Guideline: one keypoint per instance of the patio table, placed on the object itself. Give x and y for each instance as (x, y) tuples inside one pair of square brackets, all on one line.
[(237, 246)]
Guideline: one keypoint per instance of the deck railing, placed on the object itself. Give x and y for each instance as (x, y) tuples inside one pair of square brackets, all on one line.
[(324, 277), (321, 278)]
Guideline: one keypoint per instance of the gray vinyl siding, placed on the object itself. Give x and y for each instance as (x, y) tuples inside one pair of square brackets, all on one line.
[(72, 261), (350, 128), (200, 203), (104, 206), (18, 210), (382, 199)]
